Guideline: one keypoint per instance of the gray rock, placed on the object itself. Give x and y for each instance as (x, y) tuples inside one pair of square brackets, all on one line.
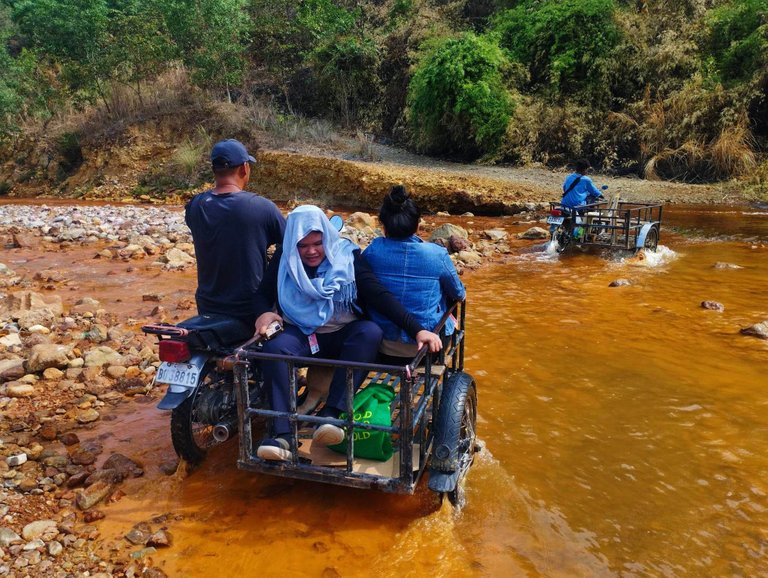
[(360, 220), (470, 257), (160, 539), (11, 369), (445, 232), (45, 355), (712, 306), (32, 308), (16, 460), (8, 537), (87, 415), (55, 548), (620, 283), (10, 340), (139, 534), (139, 554), (19, 389), (92, 495), (759, 330), (721, 265), (40, 529), (495, 234), (177, 259), (86, 304), (101, 356), (535, 233)]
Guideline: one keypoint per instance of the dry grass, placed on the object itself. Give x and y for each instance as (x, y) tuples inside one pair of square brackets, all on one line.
[(733, 152)]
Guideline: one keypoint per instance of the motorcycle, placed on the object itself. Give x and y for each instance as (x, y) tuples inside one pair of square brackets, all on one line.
[(566, 223), (197, 367), (197, 359)]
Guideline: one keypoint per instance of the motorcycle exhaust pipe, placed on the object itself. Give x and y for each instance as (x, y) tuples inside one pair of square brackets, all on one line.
[(222, 431)]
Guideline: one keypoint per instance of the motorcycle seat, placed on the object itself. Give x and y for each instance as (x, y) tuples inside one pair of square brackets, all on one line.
[(215, 331)]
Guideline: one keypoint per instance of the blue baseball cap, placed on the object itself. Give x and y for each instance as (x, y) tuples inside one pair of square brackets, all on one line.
[(229, 153)]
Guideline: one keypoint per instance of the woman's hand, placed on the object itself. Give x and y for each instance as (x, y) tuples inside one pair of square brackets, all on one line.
[(265, 320), (430, 339)]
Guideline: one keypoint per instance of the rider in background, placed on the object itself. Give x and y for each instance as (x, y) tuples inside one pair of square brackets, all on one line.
[(578, 188), (231, 231), (420, 275)]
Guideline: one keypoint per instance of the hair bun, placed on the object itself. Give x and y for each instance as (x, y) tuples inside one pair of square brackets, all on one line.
[(398, 194)]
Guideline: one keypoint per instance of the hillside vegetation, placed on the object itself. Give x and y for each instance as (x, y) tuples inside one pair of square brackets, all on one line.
[(674, 90)]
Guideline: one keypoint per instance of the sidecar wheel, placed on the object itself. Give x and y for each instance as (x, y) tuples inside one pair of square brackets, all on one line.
[(192, 437), (455, 438)]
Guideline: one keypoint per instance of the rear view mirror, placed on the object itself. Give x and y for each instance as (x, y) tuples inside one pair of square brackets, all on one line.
[(337, 222)]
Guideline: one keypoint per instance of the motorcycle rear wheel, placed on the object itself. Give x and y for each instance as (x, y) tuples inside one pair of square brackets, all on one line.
[(563, 238), (192, 437)]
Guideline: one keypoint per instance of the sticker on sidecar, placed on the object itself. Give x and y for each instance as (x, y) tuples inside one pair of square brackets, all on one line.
[(183, 374), (555, 220)]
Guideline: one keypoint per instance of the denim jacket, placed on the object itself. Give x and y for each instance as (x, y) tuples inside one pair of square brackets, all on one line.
[(420, 275)]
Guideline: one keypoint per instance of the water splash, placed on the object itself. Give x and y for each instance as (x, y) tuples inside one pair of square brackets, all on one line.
[(662, 256)]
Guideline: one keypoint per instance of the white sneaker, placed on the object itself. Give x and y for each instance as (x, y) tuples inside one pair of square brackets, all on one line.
[(328, 435), (275, 449)]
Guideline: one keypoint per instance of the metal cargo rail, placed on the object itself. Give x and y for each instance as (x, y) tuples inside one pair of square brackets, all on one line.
[(417, 386)]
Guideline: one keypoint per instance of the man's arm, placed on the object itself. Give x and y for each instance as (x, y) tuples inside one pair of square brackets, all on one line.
[(265, 297), (591, 188)]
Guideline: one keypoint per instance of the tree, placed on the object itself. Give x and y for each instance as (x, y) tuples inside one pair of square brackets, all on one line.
[(212, 39), (566, 44), (737, 43), (457, 101), (137, 46)]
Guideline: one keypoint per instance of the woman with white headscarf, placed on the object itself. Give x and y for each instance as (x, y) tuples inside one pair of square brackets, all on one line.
[(322, 287)]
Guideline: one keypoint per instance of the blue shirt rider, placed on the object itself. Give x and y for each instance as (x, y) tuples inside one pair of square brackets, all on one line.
[(578, 187)]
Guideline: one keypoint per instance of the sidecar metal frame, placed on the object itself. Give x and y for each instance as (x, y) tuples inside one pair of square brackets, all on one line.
[(418, 389), (624, 225)]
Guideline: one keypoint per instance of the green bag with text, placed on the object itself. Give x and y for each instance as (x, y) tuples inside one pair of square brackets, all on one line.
[(371, 405)]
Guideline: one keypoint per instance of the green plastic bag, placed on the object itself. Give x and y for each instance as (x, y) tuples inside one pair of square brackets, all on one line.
[(371, 405)]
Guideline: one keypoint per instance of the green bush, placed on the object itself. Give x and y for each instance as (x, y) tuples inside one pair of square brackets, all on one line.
[(566, 45), (457, 101), (738, 39)]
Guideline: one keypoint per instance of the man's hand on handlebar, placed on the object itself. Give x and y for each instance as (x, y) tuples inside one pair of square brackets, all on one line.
[(265, 320), (430, 339)]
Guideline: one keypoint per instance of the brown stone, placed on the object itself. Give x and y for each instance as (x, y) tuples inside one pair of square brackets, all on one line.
[(92, 495), (139, 534), (160, 539), (124, 465), (83, 457), (48, 431), (69, 439), (92, 516), (77, 479)]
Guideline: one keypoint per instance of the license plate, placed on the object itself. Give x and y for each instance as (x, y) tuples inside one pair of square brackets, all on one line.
[(555, 220), (183, 374)]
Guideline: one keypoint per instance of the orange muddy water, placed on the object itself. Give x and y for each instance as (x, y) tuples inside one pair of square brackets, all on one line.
[(625, 433)]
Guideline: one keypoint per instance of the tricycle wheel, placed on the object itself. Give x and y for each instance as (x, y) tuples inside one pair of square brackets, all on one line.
[(467, 446), (455, 438), (563, 238), (191, 431), (651, 239)]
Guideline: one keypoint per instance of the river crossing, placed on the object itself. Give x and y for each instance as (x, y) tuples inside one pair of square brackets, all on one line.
[(625, 433)]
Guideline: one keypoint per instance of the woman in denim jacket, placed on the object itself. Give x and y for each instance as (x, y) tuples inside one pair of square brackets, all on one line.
[(420, 275)]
